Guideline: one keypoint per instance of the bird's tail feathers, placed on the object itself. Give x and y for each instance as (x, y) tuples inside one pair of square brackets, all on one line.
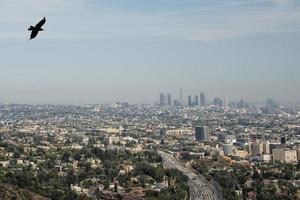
[(30, 28)]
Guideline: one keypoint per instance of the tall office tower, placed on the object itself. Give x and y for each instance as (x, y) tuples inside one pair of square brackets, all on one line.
[(202, 133), (181, 97), (162, 133), (196, 100), (225, 102), (190, 103), (218, 102), (202, 99), (169, 100), (232, 104), (271, 104), (177, 103), (241, 104), (162, 99)]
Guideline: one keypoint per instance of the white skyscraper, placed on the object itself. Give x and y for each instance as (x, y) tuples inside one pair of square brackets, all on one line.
[(225, 102)]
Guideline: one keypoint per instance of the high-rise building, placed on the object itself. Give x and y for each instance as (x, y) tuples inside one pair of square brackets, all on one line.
[(202, 99), (162, 99), (181, 97), (241, 104), (196, 100), (232, 104), (177, 103), (162, 134), (225, 102), (218, 102), (202, 133), (169, 100), (271, 104), (190, 103)]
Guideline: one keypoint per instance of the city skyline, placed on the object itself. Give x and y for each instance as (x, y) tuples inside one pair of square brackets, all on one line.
[(171, 99), (136, 49), (193, 99)]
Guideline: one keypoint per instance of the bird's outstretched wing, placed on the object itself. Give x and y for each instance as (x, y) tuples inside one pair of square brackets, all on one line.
[(41, 23), (33, 34)]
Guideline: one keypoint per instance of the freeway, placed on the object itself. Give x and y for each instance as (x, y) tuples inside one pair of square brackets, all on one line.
[(200, 188)]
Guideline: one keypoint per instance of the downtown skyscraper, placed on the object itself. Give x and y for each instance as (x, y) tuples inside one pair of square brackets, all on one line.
[(196, 100), (202, 99), (190, 103), (169, 100), (162, 99)]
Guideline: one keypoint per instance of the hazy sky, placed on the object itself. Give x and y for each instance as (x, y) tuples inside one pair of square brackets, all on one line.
[(99, 51)]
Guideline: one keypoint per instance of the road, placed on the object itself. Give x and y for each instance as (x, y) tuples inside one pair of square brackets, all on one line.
[(200, 188)]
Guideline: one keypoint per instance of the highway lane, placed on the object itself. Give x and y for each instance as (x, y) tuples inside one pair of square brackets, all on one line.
[(200, 188)]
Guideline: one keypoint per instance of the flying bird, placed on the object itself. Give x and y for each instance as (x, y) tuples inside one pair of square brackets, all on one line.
[(37, 28)]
